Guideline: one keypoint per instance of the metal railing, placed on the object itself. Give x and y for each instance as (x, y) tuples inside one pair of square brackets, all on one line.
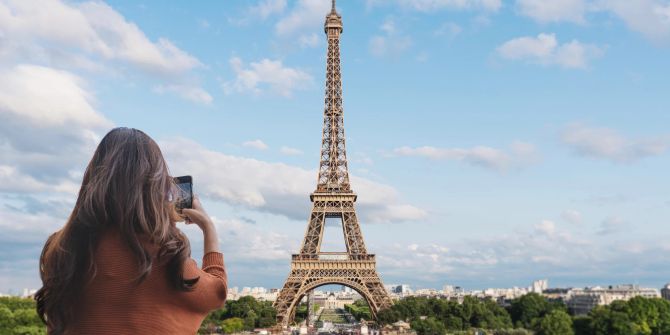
[(333, 256)]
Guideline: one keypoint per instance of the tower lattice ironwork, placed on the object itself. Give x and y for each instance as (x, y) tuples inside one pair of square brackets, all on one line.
[(333, 198)]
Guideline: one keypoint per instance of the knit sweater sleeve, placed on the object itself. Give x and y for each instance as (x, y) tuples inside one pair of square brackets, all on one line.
[(212, 263), (212, 286)]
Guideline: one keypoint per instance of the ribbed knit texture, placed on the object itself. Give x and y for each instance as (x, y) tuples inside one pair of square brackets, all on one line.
[(114, 304)]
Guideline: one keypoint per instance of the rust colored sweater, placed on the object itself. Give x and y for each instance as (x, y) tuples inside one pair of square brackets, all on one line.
[(113, 304)]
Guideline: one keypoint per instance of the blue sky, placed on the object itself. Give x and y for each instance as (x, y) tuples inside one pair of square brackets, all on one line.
[(491, 142)]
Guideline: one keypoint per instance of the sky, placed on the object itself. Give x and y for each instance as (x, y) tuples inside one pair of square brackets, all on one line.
[(490, 142)]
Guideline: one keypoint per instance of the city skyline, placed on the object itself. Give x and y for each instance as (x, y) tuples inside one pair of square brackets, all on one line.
[(490, 142)]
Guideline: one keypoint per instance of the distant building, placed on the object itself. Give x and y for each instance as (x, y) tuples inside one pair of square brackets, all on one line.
[(28, 293), (665, 292), (333, 301), (401, 290), (539, 286), (583, 300), (448, 289), (556, 294)]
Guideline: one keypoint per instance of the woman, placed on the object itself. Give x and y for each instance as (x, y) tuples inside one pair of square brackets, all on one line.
[(120, 265)]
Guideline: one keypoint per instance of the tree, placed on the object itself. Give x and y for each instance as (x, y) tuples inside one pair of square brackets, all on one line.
[(527, 310), (429, 326), (581, 325), (556, 322), (250, 320), (6, 320), (263, 316), (640, 316), (232, 325), (19, 317)]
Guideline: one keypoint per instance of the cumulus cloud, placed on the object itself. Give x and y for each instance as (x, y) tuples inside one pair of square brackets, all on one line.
[(611, 225), (192, 93), (434, 5), (93, 37), (255, 144), (544, 249), (290, 151), (276, 187), (545, 50), (546, 227), (449, 29), (572, 216), (608, 144), (49, 128), (250, 242), (651, 18), (260, 10), (35, 29), (310, 40), (306, 15), (265, 8), (391, 43), (266, 74), (553, 11), (518, 155)]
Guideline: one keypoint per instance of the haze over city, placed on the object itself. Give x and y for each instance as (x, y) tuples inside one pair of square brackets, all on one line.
[(491, 143)]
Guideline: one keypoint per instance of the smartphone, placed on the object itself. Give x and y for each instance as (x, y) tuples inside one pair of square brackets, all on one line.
[(184, 198)]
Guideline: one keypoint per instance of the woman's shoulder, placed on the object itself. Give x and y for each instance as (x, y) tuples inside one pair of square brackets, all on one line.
[(113, 243)]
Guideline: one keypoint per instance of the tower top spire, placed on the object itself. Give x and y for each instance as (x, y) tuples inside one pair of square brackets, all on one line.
[(333, 19), (333, 170)]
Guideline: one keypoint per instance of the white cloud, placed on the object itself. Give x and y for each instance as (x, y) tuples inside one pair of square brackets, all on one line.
[(290, 151), (266, 8), (264, 74), (192, 93), (450, 29), (543, 249), (275, 187), (35, 29), (391, 43), (306, 15), (572, 216), (545, 49), (520, 154), (649, 17), (383, 45), (91, 37), (434, 5), (554, 10), (260, 10), (49, 127), (608, 144), (546, 227), (308, 40), (256, 144), (611, 225), (257, 243)]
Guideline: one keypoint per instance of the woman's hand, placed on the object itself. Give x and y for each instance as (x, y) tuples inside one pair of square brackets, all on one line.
[(198, 215)]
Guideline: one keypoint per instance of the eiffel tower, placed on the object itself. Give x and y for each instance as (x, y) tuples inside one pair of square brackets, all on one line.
[(333, 198)]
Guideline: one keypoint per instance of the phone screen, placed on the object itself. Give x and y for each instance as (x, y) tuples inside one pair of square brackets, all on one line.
[(184, 197)]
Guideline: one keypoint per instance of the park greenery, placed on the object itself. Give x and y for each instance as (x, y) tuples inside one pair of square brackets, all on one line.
[(529, 314), (19, 317), (245, 313), (359, 310)]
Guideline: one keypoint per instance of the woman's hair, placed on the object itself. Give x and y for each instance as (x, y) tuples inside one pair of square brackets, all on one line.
[(126, 186)]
